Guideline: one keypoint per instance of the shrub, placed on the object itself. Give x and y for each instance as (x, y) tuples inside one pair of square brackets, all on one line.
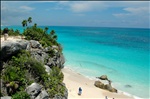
[(41, 35), (21, 95), (53, 83), (37, 69)]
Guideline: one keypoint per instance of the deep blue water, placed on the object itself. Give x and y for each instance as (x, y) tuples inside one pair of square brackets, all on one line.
[(121, 53)]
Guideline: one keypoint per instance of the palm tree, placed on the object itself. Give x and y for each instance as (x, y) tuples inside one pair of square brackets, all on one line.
[(35, 25), (55, 37), (30, 19), (24, 23), (46, 28), (52, 32)]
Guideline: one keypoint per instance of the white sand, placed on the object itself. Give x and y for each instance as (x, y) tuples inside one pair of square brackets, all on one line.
[(74, 80)]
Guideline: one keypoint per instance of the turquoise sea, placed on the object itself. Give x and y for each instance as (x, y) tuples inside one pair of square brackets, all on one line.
[(120, 53)]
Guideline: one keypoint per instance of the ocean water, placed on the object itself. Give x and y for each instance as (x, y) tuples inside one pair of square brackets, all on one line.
[(120, 53)]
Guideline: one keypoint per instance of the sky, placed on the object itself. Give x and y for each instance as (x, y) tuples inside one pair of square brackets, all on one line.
[(133, 14)]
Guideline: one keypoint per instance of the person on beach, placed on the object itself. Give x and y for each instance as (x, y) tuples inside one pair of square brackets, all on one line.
[(5, 32), (106, 97), (80, 91)]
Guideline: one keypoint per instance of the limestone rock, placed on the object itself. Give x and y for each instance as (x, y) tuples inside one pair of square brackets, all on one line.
[(114, 90), (34, 90), (39, 55), (108, 87), (99, 84), (47, 69), (35, 44), (10, 48), (103, 77), (43, 95), (6, 97)]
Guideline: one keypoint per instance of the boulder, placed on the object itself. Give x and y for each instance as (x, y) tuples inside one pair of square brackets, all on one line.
[(103, 77), (39, 55), (113, 90), (51, 62), (47, 69), (35, 44), (9, 48), (43, 95), (108, 87), (6, 97), (3, 88), (99, 84), (34, 90), (47, 49)]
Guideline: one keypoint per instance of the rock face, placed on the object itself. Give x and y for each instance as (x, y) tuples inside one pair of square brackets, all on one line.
[(9, 48), (35, 91)]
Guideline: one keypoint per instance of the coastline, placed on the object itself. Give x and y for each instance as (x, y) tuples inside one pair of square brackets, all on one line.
[(74, 80)]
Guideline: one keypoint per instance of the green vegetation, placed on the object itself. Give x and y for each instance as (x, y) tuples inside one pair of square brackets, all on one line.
[(21, 64), (54, 85), (21, 70), (11, 32), (21, 95), (15, 73), (39, 34)]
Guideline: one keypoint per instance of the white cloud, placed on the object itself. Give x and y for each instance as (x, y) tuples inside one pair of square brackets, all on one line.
[(82, 6), (136, 11), (26, 8)]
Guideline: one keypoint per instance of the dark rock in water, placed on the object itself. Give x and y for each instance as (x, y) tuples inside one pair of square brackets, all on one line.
[(103, 77), (99, 84), (128, 86)]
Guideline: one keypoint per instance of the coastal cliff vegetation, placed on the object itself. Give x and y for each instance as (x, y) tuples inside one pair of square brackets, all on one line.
[(22, 69)]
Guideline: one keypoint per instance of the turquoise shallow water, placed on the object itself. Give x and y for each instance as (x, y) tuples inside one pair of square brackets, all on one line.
[(121, 53)]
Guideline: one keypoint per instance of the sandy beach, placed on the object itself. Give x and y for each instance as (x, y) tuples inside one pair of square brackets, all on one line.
[(74, 80)]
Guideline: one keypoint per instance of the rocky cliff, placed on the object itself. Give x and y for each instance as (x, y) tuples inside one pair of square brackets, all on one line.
[(50, 57)]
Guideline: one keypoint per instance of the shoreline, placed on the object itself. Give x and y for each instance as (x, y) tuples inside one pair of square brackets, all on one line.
[(74, 80)]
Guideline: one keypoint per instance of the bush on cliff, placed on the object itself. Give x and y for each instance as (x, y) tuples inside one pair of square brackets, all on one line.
[(54, 85), (41, 35), (11, 32), (21, 95), (21, 64)]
